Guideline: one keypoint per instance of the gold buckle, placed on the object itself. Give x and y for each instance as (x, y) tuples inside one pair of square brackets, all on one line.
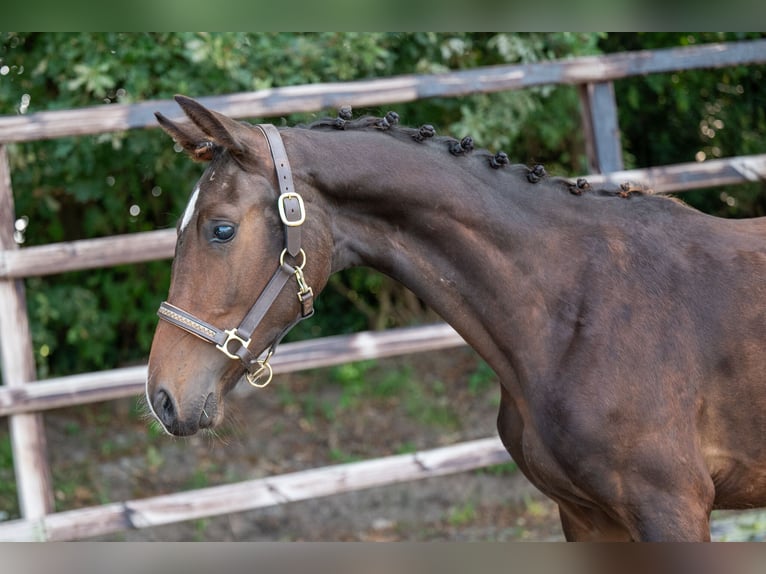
[(283, 215), (232, 336)]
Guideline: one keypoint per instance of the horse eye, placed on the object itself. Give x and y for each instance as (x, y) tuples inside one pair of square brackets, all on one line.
[(223, 232)]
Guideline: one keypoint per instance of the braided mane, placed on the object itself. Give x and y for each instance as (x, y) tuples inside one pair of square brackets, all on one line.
[(427, 134)]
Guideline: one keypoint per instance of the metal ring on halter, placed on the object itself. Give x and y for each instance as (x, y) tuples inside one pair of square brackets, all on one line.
[(252, 378), (301, 252)]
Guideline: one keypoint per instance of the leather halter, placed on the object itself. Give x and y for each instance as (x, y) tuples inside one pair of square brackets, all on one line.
[(234, 343)]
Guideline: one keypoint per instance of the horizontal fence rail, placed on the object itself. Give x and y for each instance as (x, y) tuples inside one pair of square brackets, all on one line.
[(87, 254), (291, 357), (682, 177), (399, 89), (258, 493)]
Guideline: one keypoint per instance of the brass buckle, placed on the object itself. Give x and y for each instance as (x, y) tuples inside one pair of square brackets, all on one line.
[(283, 215), (232, 336)]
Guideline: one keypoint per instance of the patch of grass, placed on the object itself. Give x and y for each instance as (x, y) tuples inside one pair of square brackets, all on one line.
[(339, 456), (482, 379), (502, 469), (200, 528), (462, 515), (535, 508), (426, 402), (738, 527), (73, 487), (406, 448), (199, 479), (353, 379), (286, 396), (107, 447), (72, 428), (392, 382), (154, 459), (428, 409)]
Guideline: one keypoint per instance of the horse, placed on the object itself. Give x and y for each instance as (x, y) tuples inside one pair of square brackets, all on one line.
[(626, 328)]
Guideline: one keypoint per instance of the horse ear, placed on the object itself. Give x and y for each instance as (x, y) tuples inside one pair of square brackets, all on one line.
[(206, 130), (218, 127), (189, 137)]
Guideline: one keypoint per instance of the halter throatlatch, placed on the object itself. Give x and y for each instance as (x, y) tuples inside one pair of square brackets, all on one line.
[(234, 343)]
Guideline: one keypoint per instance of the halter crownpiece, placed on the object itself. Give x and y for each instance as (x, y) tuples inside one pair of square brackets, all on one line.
[(234, 343)]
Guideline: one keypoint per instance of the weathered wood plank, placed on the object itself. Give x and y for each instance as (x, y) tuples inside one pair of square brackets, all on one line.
[(291, 357), (73, 390), (258, 493), (689, 176), (88, 253), (399, 89), (33, 479)]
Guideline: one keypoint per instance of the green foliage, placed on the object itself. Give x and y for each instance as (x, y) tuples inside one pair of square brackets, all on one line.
[(114, 183), (462, 515), (353, 379), (694, 115), (500, 469), (481, 379)]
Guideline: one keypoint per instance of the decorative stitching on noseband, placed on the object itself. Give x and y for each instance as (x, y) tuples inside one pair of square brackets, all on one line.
[(193, 325)]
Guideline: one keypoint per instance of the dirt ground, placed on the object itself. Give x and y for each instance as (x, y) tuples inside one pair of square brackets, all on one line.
[(109, 452)]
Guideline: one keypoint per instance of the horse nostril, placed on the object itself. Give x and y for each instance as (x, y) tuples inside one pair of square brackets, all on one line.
[(164, 408)]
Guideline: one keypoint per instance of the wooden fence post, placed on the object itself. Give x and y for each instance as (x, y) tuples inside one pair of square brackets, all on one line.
[(18, 367), (602, 131)]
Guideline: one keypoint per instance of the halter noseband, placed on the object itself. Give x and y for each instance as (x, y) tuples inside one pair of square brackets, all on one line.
[(234, 343)]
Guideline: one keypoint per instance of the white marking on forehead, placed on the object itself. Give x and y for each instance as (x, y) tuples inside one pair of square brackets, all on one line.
[(189, 213)]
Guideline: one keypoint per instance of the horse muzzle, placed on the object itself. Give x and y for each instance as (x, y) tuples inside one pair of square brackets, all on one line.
[(184, 421)]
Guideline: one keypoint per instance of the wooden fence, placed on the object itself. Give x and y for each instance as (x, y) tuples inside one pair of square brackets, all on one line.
[(22, 399)]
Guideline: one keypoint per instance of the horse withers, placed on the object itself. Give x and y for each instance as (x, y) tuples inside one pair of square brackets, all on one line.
[(627, 330)]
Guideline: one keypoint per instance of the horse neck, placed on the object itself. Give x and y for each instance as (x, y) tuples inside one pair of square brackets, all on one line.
[(464, 237)]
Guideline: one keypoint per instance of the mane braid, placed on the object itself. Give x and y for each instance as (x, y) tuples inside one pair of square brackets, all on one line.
[(465, 146)]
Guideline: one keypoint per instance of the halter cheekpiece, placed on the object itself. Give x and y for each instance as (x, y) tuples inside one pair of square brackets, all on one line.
[(234, 343)]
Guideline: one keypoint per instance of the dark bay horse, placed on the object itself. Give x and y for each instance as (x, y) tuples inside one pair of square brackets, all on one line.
[(628, 331)]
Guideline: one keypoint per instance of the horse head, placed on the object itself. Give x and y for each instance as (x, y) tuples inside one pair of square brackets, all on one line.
[(247, 257)]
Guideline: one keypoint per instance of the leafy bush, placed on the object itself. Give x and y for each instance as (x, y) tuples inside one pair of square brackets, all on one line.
[(694, 115)]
